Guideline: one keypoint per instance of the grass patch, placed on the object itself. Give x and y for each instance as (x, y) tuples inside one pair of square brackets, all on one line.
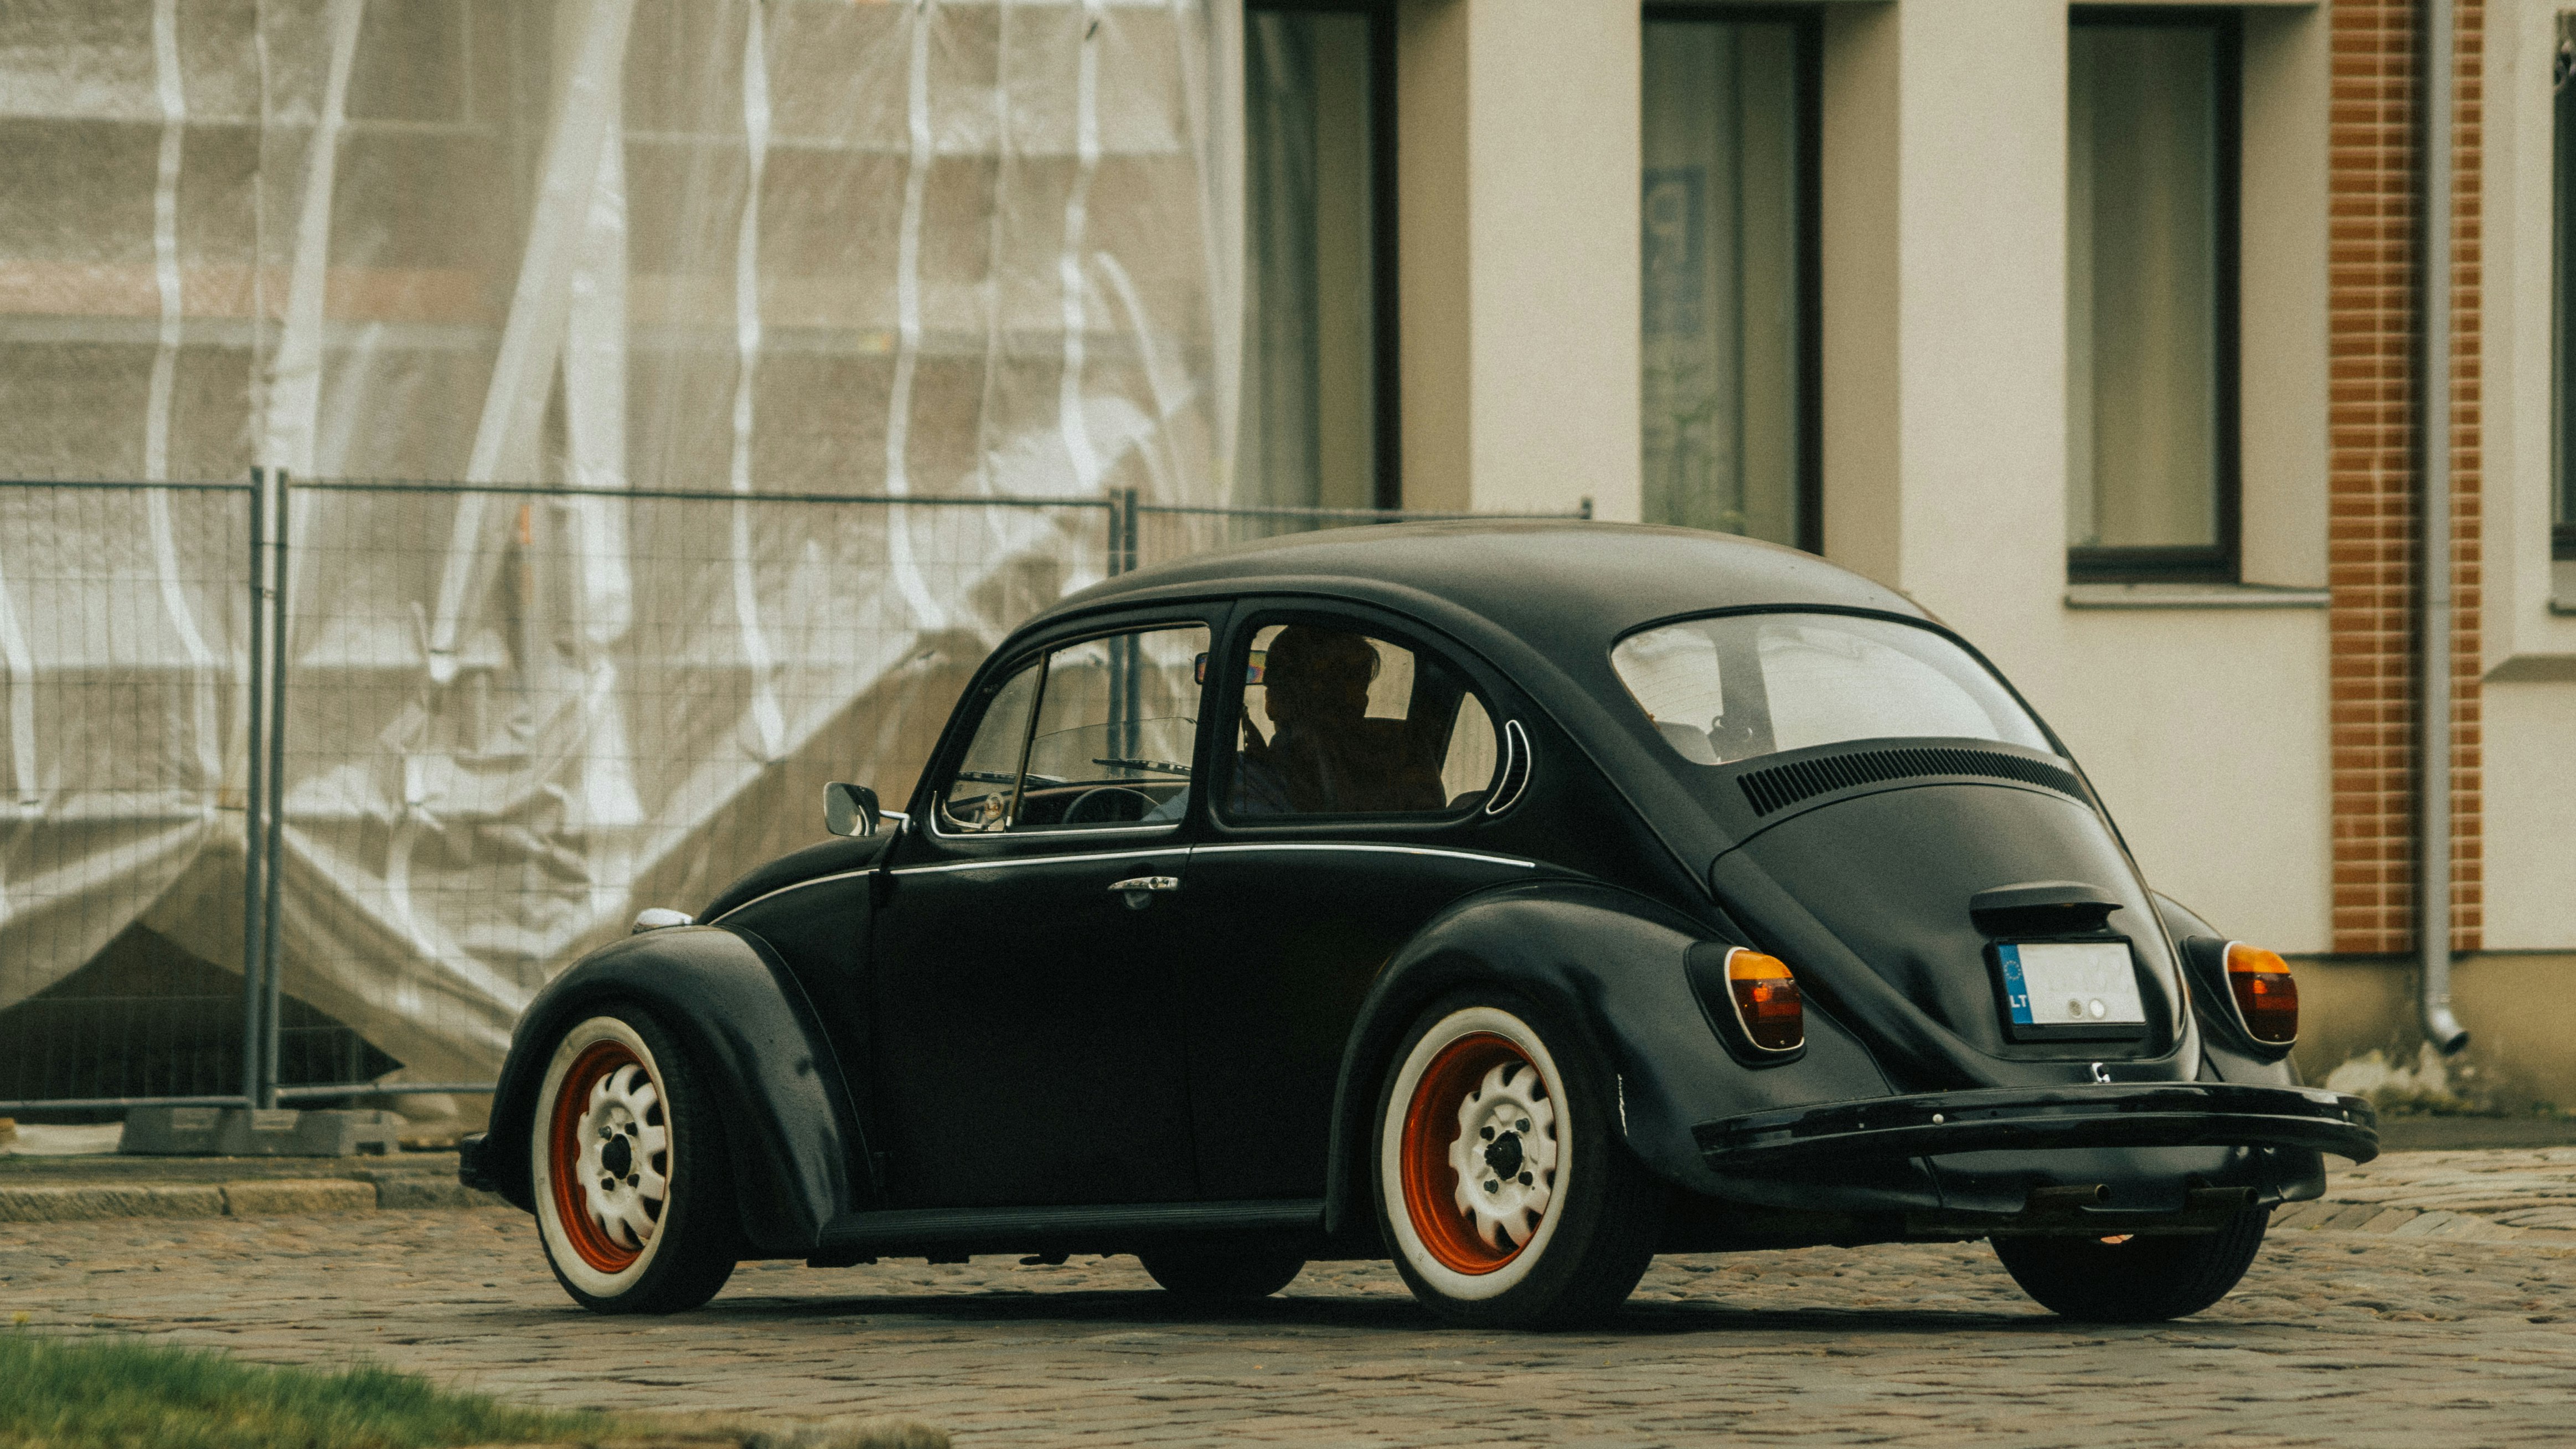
[(95, 1393)]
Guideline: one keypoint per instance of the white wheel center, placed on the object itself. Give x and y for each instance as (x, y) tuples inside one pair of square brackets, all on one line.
[(621, 1182), (1505, 1155)]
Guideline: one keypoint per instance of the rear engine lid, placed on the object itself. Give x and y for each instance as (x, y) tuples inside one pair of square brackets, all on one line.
[(1956, 893)]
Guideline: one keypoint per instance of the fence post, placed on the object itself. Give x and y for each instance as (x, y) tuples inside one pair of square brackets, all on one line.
[(254, 800), (1127, 527), (269, 974)]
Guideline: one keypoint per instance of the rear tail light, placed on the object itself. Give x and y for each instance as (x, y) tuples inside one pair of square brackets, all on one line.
[(1766, 1000), (2265, 995)]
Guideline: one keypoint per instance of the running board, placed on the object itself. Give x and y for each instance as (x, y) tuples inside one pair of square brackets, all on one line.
[(1113, 1227)]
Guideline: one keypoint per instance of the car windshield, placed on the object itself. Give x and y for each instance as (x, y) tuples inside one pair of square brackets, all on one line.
[(1745, 685)]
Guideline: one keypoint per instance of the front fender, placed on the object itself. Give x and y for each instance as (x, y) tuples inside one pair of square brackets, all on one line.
[(753, 1037), (1611, 963)]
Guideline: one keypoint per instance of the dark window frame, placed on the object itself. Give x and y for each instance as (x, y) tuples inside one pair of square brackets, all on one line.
[(2222, 561), (1386, 411), (1807, 29)]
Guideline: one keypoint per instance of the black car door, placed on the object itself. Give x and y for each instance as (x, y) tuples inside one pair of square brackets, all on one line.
[(1357, 764), (1025, 964)]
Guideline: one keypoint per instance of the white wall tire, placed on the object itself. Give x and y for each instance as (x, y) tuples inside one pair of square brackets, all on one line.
[(632, 1204), (1474, 1238), (1501, 1186)]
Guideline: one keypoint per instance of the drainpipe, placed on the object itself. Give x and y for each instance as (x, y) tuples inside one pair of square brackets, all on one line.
[(2433, 734)]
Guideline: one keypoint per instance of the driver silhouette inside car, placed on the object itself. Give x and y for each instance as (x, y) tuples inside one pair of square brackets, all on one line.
[(1324, 755)]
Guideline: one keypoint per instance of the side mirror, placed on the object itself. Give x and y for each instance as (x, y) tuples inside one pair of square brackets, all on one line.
[(850, 809)]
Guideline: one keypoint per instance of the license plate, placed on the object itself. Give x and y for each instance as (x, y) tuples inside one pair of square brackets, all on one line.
[(2070, 989)]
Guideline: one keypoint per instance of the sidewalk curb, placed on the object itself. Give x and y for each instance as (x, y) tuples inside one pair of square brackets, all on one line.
[(247, 1197)]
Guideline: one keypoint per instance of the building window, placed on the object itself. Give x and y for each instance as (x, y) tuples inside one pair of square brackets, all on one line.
[(2562, 514), (1318, 425), (1729, 405), (2151, 466)]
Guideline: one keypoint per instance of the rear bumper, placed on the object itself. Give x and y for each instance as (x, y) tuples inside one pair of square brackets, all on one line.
[(2126, 1114)]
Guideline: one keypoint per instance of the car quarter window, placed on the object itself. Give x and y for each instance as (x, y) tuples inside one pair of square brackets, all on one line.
[(1117, 726), (978, 795), (1341, 722)]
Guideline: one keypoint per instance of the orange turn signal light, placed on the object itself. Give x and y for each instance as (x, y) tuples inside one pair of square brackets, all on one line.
[(1767, 1003), (2265, 995)]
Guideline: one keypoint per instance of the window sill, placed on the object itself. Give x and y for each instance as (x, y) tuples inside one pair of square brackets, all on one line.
[(2194, 596)]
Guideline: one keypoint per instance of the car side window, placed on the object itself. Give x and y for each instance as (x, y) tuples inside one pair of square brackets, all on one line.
[(1341, 722), (978, 797)]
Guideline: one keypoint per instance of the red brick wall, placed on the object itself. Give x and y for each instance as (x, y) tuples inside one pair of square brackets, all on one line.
[(2372, 531)]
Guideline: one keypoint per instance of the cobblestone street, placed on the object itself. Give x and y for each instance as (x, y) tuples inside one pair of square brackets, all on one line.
[(2446, 1335)]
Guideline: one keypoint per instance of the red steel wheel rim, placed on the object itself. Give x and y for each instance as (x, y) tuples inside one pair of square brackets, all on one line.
[(1430, 1126), (589, 1240)]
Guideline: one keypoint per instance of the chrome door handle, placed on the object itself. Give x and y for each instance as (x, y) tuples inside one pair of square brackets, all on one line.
[(1140, 890)]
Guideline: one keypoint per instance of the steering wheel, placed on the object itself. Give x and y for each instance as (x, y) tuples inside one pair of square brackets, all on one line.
[(1073, 813)]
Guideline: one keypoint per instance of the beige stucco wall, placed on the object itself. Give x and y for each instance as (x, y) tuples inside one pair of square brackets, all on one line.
[(2530, 652), (1518, 125), (1945, 459), (2531, 819), (2205, 732), (1945, 372)]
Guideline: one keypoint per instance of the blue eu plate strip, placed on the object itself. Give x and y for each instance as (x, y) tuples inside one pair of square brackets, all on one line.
[(2016, 995)]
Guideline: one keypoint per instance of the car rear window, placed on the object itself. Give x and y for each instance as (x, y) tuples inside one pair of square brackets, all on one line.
[(1739, 686)]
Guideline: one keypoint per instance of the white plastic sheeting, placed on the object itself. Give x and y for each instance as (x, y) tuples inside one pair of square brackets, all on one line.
[(928, 249)]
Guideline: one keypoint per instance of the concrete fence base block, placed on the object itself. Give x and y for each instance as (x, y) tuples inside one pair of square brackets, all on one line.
[(242, 1132), (263, 1198), (133, 1200), (415, 1191)]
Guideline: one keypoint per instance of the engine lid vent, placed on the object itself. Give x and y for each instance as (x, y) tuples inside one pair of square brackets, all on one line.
[(1777, 787)]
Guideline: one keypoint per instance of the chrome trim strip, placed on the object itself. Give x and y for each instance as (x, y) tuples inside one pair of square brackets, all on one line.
[(1016, 861), (1020, 860), (1377, 849), (1516, 755), (792, 886)]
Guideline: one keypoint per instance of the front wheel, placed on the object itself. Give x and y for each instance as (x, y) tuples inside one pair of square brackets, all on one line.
[(634, 1205), (1501, 1183), (2134, 1279)]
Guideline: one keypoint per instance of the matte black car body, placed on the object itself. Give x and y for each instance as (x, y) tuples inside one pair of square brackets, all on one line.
[(923, 1051)]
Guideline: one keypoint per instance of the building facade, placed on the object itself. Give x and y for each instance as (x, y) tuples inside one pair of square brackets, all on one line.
[(2098, 329)]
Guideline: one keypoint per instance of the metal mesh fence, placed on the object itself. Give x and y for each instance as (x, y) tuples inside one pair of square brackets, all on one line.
[(518, 716), (498, 722), (125, 630), (1154, 533)]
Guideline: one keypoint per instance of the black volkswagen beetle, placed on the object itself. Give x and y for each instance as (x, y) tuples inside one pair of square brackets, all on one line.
[(1513, 901)]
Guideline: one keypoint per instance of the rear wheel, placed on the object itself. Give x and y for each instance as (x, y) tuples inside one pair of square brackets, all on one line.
[(2138, 1279), (1502, 1185), (634, 1205), (1219, 1272)]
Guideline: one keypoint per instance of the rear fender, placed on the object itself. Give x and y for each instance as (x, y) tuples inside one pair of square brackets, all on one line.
[(1610, 963), (2232, 1056), (753, 1036)]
